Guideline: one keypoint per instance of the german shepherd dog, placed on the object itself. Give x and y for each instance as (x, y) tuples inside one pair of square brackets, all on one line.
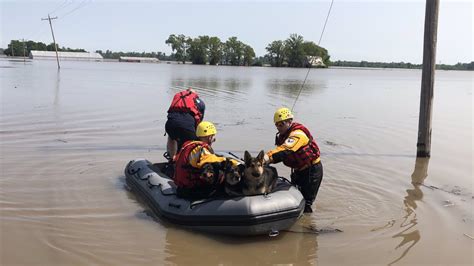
[(257, 178), (232, 178)]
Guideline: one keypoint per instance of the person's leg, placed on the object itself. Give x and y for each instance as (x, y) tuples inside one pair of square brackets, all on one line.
[(308, 182), (171, 147), (171, 144), (184, 135)]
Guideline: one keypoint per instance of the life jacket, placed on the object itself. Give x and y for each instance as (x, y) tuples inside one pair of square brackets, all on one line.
[(185, 101), (186, 175), (305, 155)]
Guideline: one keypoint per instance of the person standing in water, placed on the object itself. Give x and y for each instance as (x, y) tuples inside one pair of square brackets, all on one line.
[(297, 149)]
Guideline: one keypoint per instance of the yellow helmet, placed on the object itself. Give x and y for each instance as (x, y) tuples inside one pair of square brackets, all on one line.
[(205, 128), (282, 114)]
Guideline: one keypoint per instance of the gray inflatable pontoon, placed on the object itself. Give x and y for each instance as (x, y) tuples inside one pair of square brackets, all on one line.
[(249, 215)]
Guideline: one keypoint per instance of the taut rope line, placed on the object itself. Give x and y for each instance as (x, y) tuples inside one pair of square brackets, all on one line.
[(307, 73)]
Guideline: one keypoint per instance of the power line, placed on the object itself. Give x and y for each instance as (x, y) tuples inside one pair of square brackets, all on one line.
[(81, 5), (319, 42), (61, 6)]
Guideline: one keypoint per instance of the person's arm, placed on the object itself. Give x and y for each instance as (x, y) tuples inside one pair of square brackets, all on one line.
[(201, 156), (201, 106), (294, 142)]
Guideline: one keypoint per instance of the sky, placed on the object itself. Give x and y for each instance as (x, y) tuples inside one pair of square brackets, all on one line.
[(382, 31)]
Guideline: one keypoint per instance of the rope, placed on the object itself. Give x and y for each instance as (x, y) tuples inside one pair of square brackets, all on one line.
[(307, 73)]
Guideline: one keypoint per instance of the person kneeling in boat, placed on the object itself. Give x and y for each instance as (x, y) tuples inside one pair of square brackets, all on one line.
[(197, 171), (297, 149)]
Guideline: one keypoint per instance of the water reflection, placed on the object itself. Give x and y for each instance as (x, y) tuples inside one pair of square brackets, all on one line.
[(228, 85), (214, 90), (190, 248), (290, 87), (196, 83), (237, 84), (410, 235), (56, 88)]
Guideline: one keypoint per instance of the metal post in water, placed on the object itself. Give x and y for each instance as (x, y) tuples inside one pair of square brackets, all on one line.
[(427, 79)]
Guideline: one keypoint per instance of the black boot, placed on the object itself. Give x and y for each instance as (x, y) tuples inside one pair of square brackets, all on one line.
[(308, 209)]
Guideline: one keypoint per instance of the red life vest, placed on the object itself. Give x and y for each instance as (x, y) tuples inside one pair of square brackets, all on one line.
[(305, 155), (186, 175), (185, 101)]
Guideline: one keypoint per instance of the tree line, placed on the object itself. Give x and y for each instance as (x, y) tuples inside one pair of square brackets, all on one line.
[(458, 66), (211, 50), (292, 52), (20, 48), (108, 54)]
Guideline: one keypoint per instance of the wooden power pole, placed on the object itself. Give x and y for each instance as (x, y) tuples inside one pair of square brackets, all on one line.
[(54, 40), (427, 79)]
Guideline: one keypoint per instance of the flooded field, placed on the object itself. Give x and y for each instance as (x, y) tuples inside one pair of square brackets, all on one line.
[(66, 136)]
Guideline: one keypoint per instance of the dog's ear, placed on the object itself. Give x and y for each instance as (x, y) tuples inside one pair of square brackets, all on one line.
[(260, 156), (247, 158)]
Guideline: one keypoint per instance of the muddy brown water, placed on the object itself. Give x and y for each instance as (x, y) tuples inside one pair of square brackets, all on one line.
[(65, 138)]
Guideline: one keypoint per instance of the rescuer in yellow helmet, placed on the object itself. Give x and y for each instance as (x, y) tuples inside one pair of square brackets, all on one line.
[(197, 167), (297, 149)]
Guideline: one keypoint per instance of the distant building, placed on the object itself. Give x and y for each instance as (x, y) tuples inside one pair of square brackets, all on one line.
[(79, 56), (315, 61), (139, 59)]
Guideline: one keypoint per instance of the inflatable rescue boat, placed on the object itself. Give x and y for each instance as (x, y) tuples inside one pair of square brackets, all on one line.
[(242, 215)]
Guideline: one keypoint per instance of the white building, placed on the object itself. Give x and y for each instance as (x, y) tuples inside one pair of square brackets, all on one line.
[(78, 56), (139, 59), (316, 61)]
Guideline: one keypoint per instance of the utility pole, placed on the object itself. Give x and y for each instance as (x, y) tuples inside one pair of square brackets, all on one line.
[(54, 40), (24, 57), (427, 79)]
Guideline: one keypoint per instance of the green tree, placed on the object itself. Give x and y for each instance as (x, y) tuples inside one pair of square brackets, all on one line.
[(215, 50), (276, 53), (234, 50), (180, 44), (38, 46), (225, 54), (198, 50), (50, 47), (295, 50), (249, 55), (470, 66), (311, 49), (15, 48)]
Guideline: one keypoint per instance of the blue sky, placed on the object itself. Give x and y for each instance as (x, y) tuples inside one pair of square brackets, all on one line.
[(357, 30)]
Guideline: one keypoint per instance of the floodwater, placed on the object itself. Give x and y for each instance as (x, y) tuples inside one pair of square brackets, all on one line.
[(66, 136)]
